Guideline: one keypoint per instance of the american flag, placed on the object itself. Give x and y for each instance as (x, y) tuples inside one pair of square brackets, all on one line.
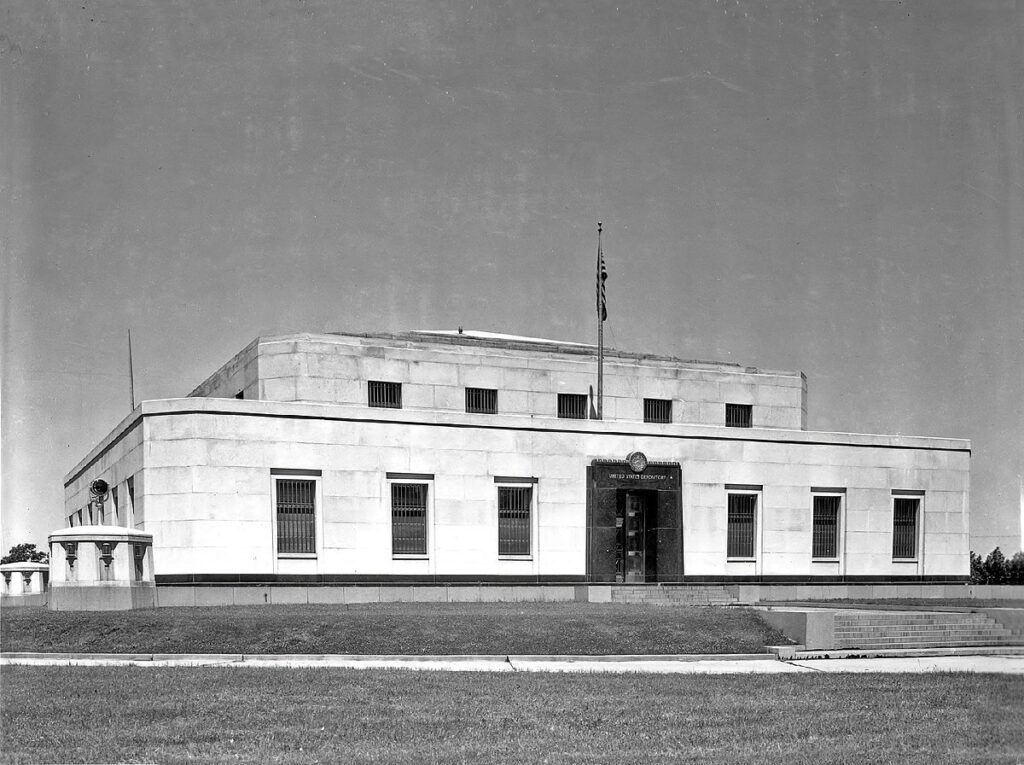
[(602, 276)]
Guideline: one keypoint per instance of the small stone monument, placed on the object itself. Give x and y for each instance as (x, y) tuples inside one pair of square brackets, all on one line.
[(101, 568), (24, 584)]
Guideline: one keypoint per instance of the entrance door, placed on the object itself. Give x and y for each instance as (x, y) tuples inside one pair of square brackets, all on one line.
[(633, 546), (621, 500)]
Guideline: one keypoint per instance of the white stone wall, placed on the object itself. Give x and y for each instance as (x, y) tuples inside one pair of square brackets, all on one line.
[(116, 459), (336, 368), (207, 489), (239, 375)]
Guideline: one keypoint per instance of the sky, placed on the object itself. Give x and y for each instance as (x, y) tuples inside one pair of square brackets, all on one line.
[(831, 187)]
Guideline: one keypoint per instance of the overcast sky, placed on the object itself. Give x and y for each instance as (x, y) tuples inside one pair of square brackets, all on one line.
[(831, 187)]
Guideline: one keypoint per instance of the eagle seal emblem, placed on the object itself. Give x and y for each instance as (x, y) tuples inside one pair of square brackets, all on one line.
[(637, 461)]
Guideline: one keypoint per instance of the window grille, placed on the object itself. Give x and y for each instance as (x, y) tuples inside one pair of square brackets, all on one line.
[(738, 415), (572, 406), (409, 519), (481, 400), (742, 510), (657, 410), (385, 394), (904, 527), (825, 534), (514, 503), (296, 516)]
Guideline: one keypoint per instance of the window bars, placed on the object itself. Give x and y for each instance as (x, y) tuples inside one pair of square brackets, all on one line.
[(481, 400), (825, 534), (408, 519), (738, 415), (572, 406), (514, 503), (904, 527), (657, 410), (742, 510), (387, 395), (296, 516)]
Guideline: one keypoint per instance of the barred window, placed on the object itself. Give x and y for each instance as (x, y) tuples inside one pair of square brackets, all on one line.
[(657, 410), (296, 516), (739, 415), (514, 504), (904, 527), (572, 406), (385, 394), (409, 519), (825, 529), (742, 517), (482, 400)]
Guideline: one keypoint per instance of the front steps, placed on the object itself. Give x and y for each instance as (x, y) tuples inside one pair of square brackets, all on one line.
[(673, 594), (916, 629)]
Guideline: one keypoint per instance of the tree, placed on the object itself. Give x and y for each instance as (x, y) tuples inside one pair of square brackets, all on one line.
[(995, 567), (25, 553), (977, 569), (1015, 569)]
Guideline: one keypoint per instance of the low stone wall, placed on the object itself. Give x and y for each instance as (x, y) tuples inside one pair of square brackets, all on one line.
[(282, 594), (750, 594), (780, 593), (20, 601)]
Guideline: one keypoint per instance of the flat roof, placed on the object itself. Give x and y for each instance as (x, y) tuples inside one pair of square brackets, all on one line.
[(484, 339)]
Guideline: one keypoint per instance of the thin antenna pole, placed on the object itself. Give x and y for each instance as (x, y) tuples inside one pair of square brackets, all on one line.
[(602, 314), (131, 370)]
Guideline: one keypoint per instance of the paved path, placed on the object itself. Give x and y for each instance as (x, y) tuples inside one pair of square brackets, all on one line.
[(756, 663)]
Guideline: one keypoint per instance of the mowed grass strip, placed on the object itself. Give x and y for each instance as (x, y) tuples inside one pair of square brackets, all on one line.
[(133, 714), (394, 628)]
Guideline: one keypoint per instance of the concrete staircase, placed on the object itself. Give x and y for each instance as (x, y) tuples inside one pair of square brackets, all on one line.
[(917, 629), (673, 594)]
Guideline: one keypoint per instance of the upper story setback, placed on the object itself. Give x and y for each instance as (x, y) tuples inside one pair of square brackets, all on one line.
[(481, 374)]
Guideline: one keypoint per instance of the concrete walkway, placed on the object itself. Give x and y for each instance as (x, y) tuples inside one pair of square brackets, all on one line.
[(1009, 663)]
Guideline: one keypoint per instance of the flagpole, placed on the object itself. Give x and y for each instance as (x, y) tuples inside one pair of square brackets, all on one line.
[(131, 371), (600, 327)]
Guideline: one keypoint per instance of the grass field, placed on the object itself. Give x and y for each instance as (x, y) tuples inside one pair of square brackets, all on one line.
[(394, 628), (133, 714)]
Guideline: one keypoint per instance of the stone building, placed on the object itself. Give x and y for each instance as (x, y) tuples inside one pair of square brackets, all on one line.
[(451, 457)]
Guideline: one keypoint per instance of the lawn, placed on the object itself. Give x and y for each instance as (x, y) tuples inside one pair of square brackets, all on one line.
[(394, 628), (99, 714)]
